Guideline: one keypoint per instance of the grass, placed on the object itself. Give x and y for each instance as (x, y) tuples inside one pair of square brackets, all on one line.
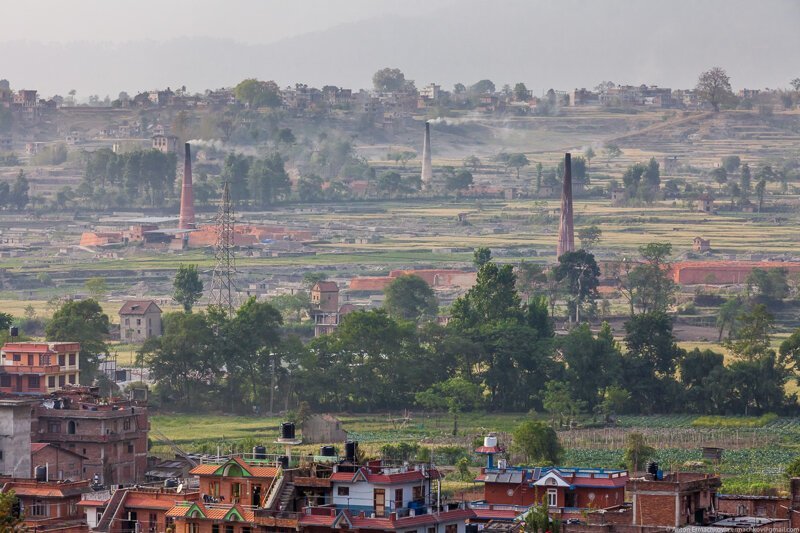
[(735, 421)]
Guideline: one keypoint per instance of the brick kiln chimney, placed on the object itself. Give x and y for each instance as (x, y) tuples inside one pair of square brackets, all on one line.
[(427, 170), (187, 198), (566, 233)]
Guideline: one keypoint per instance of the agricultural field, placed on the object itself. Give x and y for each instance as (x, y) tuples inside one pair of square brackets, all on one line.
[(757, 449)]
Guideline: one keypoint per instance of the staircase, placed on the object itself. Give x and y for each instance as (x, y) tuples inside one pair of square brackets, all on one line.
[(112, 509), (286, 496)]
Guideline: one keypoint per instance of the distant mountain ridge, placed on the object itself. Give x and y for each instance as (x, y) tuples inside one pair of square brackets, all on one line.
[(548, 43)]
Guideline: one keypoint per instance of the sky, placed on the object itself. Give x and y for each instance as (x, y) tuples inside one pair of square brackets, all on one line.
[(107, 46)]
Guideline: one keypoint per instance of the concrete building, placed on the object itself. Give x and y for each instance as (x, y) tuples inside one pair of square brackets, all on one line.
[(705, 203), (167, 144), (15, 436), (139, 320), (700, 244), (323, 428), (38, 367)]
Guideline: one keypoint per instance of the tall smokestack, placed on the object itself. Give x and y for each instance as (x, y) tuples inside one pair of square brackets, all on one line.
[(566, 231), (187, 197), (427, 169)]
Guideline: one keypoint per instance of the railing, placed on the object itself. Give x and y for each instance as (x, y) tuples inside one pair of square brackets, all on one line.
[(274, 489)]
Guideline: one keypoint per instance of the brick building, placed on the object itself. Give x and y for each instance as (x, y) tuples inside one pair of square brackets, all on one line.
[(759, 506), (679, 499), (61, 463), (49, 505), (110, 434), (15, 436), (139, 320), (38, 367), (136, 509)]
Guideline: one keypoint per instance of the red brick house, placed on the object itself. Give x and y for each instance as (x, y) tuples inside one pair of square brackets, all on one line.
[(61, 463), (679, 499), (236, 481), (49, 505)]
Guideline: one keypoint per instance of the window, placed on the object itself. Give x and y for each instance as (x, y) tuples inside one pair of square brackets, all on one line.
[(126, 424), (44, 360), (343, 491), (5, 380), (552, 498), (193, 528), (34, 382), (53, 427), (451, 528), (398, 498), (214, 528), (72, 379), (61, 359), (128, 323), (51, 382), (71, 427), (431, 530), (228, 528), (417, 493), (153, 523), (138, 321), (39, 508), (30, 359), (62, 380), (246, 529), (130, 447), (17, 357), (72, 359), (236, 490)]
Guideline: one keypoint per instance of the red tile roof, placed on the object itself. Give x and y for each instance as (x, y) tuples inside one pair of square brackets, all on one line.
[(137, 307), (399, 477)]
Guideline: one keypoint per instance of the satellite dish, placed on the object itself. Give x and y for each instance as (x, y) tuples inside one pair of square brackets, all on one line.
[(179, 489)]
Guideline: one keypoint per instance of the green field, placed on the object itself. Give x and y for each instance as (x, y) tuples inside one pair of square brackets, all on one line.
[(757, 450)]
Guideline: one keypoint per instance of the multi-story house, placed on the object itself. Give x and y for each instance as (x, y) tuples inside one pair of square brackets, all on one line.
[(38, 367)]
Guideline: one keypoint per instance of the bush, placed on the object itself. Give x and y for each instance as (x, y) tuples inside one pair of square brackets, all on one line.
[(734, 421)]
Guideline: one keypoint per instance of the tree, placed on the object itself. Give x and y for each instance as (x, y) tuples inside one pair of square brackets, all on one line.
[(458, 180), (612, 151), (744, 183), (615, 399), (651, 181), (530, 276), (651, 281), (637, 452), (589, 237), (589, 154), (389, 80), (793, 470), (187, 287), (481, 256), (538, 442), (473, 162), (455, 394), (96, 287), (593, 363), (11, 518), (761, 190), (257, 93), (5, 321), (409, 297), (559, 402), (312, 278), (579, 272), (714, 87), (521, 92), (728, 316), (482, 87), (517, 161), (731, 163), (649, 337), (389, 182), (720, 175), (83, 322), (772, 285), (753, 336), (19, 191)]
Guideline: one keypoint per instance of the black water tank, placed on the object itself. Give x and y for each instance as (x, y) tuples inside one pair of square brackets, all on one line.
[(284, 461), (287, 430), (14, 331), (327, 451), (171, 482), (41, 473), (259, 452), (652, 468), (350, 450)]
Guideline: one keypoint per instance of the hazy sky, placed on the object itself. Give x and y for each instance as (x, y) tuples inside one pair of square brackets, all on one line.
[(106, 46), (249, 21)]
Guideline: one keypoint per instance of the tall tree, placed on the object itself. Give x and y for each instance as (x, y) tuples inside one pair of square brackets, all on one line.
[(187, 287), (651, 281), (714, 87), (579, 272), (409, 297), (84, 322), (517, 161), (389, 80), (538, 442)]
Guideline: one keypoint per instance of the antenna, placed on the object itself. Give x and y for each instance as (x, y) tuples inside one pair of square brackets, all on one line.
[(223, 290)]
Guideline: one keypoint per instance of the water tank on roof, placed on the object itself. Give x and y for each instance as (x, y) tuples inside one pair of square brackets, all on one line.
[(287, 430), (171, 483), (259, 452), (327, 451), (490, 441), (652, 468), (41, 473), (14, 331), (283, 461), (351, 449)]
